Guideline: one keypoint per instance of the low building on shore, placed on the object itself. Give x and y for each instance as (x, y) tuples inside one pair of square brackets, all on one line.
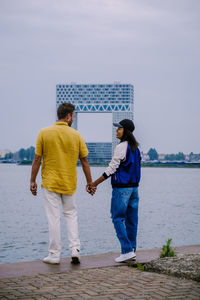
[(4, 152)]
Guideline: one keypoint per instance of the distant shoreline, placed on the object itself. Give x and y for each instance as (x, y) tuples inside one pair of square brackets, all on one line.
[(171, 165), (157, 165), (143, 165)]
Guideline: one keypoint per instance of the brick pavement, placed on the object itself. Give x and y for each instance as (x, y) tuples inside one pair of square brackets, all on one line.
[(121, 282)]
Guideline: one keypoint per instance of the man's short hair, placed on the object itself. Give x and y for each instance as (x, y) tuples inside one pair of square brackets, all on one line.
[(64, 109)]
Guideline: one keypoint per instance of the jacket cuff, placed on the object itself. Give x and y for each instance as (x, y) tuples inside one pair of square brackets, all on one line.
[(105, 175)]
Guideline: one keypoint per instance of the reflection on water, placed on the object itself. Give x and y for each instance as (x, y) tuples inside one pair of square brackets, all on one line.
[(169, 208)]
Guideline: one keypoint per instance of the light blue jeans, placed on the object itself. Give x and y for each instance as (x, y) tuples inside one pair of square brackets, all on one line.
[(124, 214)]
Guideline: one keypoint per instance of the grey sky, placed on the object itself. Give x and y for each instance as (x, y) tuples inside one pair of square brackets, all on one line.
[(152, 44)]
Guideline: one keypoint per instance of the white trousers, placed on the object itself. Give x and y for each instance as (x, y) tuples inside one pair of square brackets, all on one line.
[(52, 207)]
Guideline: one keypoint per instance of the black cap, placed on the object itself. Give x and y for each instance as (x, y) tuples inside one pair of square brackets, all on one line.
[(126, 123)]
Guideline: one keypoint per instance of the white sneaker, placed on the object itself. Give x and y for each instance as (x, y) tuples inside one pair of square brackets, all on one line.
[(125, 257), (75, 256), (51, 260)]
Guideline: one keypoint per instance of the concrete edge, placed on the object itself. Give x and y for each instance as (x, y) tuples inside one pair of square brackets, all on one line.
[(87, 262)]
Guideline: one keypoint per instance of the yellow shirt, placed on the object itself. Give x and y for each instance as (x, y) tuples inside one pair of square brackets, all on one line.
[(60, 146)]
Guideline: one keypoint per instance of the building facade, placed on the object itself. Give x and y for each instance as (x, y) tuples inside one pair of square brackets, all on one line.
[(99, 152), (115, 98)]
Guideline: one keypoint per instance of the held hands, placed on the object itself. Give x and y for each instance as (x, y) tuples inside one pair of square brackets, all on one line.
[(91, 188)]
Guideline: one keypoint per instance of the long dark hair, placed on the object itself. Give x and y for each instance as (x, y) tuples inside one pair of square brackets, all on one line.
[(129, 137)]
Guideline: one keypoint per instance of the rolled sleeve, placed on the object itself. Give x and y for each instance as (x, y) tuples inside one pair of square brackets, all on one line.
[(39, 145), (83, 150)]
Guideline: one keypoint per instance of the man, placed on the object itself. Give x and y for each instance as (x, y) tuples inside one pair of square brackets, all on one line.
[(60, 146)]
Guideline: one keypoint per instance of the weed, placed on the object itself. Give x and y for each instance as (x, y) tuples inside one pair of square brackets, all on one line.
[(167, 250)]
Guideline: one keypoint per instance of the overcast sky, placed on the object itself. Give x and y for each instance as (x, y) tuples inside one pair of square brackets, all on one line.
[(152, 44)]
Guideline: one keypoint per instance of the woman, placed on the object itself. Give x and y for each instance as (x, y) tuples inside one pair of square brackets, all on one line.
[(124, 170)]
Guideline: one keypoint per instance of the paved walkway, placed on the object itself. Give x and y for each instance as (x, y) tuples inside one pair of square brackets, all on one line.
[(104, 282)]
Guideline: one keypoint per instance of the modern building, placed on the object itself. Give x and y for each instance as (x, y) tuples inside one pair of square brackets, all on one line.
[(116, 98), (99, 152), (161, 156), (194, 157), (144, 157)]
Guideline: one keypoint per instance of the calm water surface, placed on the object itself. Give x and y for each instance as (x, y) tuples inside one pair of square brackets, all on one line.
[(169, 208)]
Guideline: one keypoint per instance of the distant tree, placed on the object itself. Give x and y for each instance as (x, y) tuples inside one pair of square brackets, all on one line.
[(9, 155), (27, 154), (32, 152), (170, 157), (22, 153), (178, 156), (153, 154), (16, 156)]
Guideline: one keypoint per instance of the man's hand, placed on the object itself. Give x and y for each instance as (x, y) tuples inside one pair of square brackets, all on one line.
[(91, 188), (86, 169), (34, 171), (33, 188)]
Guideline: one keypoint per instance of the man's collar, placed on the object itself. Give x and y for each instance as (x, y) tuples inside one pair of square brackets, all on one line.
[(61, 123)]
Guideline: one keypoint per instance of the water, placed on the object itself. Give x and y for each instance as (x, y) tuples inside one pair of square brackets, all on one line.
[(169, 208)]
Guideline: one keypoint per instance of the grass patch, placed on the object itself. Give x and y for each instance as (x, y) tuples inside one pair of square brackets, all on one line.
[(140, 266)]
